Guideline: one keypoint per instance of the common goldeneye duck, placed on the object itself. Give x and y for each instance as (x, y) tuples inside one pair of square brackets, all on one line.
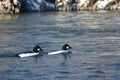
[(65, 49), (36, 51)]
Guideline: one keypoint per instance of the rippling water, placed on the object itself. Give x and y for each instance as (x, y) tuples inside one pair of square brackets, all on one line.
[(93, 35)]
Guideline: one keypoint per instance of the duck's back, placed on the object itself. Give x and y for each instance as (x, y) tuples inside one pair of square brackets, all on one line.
[(27, 54), (58, 52)]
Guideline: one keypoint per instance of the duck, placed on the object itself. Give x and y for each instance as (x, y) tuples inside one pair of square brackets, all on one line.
[(65, 50), (36, 51)]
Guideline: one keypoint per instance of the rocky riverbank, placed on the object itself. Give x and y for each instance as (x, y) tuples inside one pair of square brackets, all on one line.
[(17, 6)]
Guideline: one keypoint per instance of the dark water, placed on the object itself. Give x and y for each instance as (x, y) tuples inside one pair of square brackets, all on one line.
[(93, 35)]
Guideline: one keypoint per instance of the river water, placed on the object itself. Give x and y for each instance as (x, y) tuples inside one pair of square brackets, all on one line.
[(93, 35)]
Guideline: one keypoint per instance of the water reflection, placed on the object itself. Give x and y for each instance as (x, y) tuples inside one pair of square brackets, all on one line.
[(6, 17)]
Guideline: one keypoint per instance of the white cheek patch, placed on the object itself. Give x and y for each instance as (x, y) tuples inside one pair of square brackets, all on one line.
[(67, 47), (38, 49)]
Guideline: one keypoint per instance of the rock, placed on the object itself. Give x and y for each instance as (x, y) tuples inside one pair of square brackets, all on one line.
[(64, 5), (9, 6), (36, 5), (98, 4), (16, 6), (68, 5), (47, 6), (29, 5)]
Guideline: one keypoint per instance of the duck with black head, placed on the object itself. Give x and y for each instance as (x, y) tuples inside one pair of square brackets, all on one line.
[(65, 49), (36, 51)]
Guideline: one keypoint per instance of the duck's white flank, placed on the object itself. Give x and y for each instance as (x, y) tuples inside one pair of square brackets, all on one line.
[(27, 54), (58, 52)]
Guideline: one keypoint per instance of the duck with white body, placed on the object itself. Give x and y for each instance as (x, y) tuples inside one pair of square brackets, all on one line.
[(65, 50), (38, 51)]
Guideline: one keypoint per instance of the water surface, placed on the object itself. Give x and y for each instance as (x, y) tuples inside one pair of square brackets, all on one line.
[(93, 35)]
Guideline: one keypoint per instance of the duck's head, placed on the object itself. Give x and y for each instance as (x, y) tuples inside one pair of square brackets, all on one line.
[(66, 47), (37, 48)]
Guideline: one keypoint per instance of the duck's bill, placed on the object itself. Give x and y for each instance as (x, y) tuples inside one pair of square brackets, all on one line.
[(70, 47)]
